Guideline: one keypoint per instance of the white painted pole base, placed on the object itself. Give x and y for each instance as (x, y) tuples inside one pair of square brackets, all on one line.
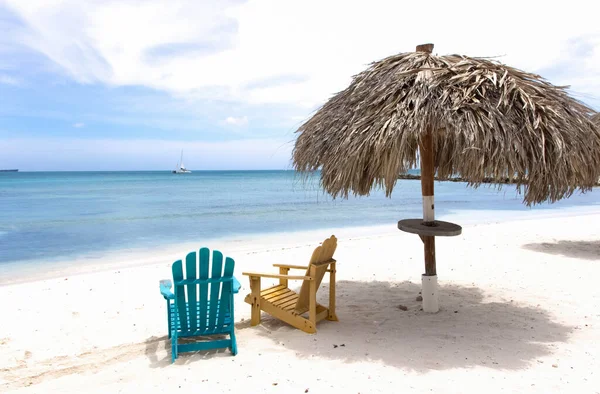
[(430, 293), (428, 209)]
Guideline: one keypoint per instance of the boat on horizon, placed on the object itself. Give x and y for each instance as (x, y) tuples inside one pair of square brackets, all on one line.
[(180, 169), (11, 170)]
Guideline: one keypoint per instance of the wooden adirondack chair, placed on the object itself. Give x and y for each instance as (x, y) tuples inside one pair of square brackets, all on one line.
[(201, 305), (289, 306)]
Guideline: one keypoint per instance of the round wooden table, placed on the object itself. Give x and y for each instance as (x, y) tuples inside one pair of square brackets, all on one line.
[(439, 229)]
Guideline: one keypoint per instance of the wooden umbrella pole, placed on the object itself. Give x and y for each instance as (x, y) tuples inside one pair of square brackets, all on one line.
[(426, 150), (427, 173)]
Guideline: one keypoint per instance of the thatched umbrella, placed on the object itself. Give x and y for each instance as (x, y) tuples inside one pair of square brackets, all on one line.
[(457, 115), (596, 119)]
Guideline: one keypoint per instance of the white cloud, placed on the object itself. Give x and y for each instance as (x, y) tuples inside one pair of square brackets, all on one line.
[(8, 80), (219, 50), (241, 121), (78, 125)]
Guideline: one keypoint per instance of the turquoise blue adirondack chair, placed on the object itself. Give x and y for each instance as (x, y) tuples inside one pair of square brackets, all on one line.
[(201, 305)]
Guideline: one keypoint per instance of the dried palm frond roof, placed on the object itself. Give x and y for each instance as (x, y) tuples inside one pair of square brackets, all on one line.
[(488, 121), (596, 119)]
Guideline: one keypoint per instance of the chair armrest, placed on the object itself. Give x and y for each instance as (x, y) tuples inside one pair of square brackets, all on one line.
[(298, 267), (277, 276), (165, 289), (236, 285)]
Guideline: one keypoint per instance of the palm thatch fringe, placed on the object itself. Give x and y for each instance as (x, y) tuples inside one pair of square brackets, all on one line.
[(501, 181), (488, 119)]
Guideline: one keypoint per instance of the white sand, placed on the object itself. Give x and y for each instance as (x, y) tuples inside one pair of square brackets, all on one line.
[(520, 312)]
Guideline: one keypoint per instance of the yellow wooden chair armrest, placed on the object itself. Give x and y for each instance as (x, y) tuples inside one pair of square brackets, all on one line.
[(277, 276), (298, 267)]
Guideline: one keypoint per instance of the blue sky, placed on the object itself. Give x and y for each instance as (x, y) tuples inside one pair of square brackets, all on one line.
[(125, 85)]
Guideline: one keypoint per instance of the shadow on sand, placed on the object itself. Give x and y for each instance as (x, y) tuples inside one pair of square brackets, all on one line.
[(467, 332), (585, 250), (155, 345)]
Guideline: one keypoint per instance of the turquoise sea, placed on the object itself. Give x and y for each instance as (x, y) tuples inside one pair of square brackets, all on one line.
[(49, 216)]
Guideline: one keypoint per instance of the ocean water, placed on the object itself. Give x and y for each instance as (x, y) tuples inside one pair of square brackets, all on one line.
[(58, 215)]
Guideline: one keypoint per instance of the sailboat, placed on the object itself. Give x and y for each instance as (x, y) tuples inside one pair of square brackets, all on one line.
[(181, 167)]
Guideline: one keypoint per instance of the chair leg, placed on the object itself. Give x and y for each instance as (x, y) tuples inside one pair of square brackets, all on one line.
[(233, 347), (174, 347), (312, 298), (283, 271), (255, 289), (169, 319), (331, 314)]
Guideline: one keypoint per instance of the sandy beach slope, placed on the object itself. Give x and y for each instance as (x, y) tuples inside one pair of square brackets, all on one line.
[(520, 312)]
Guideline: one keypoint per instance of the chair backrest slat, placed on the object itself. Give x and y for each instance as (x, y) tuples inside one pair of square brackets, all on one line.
[(215, 289), (226, 293), (192, 293), (180, 296), (204, 262)]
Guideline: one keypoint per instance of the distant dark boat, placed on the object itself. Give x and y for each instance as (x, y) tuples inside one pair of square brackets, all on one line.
[(9, 170)]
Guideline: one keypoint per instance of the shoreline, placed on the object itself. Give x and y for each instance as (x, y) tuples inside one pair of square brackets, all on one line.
[(16, 273), (125, 259)]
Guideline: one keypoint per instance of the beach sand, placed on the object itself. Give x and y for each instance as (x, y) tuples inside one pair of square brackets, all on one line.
[(520, 312)]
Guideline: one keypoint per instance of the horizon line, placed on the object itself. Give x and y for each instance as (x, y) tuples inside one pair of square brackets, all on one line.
[(162, 170), (169, 171)]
